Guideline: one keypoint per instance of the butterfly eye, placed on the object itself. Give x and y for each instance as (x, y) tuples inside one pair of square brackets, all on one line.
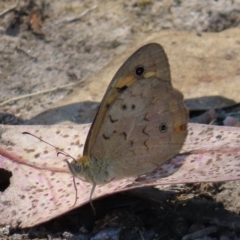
[(139, 71), (163, 127), (74, 167), (77, 167)]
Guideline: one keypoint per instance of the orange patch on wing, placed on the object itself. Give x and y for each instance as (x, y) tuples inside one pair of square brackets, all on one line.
[(125, 81), (182, 127)]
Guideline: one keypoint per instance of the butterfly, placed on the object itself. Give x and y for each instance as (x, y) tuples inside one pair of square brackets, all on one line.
[(140, 124)]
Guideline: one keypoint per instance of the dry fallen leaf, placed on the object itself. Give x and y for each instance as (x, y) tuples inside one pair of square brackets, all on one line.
[(41, 186)]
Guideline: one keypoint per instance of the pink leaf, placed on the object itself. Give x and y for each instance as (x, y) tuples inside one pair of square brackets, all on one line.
[(41, 186)]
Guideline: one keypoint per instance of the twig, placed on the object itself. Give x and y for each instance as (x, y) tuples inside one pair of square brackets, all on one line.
[(141, 235), (38, 93), (74, 19), (10, 9)]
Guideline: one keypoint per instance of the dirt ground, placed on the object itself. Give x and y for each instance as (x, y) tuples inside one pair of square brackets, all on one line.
[(54, 46)]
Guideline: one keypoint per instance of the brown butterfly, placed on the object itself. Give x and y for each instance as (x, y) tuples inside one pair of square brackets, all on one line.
[(141, 122)]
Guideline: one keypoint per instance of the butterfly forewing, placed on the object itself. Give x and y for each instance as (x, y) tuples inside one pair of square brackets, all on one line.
[(152, 59)]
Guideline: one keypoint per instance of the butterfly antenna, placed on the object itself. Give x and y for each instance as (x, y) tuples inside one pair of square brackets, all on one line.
[(91, 203), (59, 151)]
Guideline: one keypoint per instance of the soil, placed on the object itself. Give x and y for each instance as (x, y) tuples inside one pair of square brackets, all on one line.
[(54, 46)]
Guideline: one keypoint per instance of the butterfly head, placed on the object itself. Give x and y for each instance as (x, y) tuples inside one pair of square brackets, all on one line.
[(75, 168), (80, 168)]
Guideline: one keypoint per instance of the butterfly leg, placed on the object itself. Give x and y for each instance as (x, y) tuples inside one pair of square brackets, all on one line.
[(91, 194)]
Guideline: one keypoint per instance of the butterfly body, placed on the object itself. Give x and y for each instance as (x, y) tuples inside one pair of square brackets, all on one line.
[(141, 122)]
